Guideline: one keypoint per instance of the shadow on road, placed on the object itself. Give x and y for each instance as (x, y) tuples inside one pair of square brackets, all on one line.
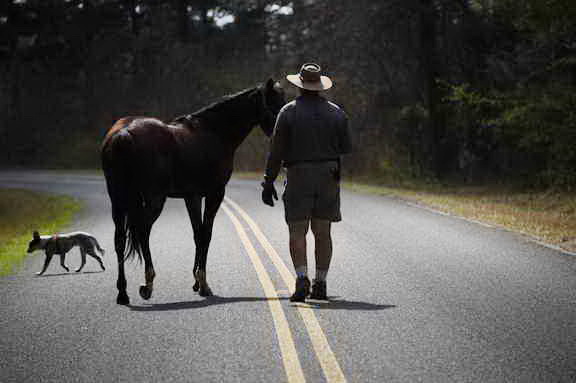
[(338, 304), (342, 304), (214, 300), (70, 273)]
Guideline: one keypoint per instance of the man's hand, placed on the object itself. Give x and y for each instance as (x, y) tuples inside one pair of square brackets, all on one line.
[(269, 193)]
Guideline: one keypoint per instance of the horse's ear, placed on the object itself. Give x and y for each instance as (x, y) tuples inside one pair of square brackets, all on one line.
[(278, 87), (180, 119), (36, 235)]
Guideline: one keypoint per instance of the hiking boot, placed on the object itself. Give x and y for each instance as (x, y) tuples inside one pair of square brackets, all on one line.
[(319, 291), (302, 290)]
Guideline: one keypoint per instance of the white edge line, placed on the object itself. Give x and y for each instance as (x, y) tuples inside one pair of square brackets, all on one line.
[(526, 236)]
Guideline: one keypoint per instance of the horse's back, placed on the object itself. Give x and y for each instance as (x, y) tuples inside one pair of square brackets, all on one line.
[(143, 128), (161, 158), (139, 148)]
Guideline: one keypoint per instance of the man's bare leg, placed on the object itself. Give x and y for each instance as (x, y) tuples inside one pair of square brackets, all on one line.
[(323, 252), (323, 246), (298, 231)]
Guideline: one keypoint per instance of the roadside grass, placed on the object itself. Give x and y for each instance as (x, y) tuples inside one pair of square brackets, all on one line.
[(22, 212), (548, 216), (545, 215)]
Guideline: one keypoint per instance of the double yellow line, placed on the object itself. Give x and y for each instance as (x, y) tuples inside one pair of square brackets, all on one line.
[(326, 358)]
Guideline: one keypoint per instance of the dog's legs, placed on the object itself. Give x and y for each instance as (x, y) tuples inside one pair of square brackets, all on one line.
[(82, 259), (46, 263), (62, 262), (93, 254)]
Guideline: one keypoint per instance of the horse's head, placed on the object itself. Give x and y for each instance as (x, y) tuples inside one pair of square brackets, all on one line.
[(273, 101)]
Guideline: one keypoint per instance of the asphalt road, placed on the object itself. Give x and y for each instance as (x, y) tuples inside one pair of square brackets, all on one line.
[(416, 297)]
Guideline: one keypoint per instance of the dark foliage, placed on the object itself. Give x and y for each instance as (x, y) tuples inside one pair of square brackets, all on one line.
[(461, 90)]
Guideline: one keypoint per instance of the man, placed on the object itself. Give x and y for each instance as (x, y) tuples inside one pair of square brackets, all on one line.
[(310, 135)]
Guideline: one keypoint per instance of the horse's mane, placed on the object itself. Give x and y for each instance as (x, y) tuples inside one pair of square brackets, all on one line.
[(228, 105), (225, 102)]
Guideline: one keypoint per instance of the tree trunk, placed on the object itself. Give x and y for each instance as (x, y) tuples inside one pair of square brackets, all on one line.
[(183, 20), (431, 96)]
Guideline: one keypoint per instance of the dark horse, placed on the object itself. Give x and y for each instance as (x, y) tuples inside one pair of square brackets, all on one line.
[(146, 160)]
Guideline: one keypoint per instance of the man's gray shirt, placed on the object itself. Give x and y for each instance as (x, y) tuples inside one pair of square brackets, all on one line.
[(310, 128)]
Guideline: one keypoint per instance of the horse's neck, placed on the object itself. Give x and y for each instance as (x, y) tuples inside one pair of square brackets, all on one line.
[(235, 128), (240, 134)]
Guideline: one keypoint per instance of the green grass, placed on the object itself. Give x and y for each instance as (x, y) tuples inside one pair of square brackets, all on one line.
[(22, 212)]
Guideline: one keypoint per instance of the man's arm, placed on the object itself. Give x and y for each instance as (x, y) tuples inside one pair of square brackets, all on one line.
[(273, 165), (345, 142), (277, 148), (345, 137), (274, 160)]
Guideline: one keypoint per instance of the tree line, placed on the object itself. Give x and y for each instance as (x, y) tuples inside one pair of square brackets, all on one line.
[(450, 90)]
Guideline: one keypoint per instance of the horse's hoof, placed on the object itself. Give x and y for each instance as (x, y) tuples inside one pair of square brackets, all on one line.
[(123, 299), (145, 292), (205, 292), (196, 286)]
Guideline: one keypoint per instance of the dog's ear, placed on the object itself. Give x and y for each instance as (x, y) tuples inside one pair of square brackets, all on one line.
[(36, 235)]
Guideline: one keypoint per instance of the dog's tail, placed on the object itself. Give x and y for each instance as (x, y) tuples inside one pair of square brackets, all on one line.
[(97, 246)]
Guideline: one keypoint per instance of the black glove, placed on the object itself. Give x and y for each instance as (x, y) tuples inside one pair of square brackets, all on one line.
[(269, 193), (336, 173), (338, 170)]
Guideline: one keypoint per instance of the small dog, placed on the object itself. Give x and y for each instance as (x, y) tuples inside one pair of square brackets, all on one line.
[(62, 243)]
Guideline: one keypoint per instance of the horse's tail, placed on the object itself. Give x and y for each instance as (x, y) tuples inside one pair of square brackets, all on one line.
[(134, 248), (121, 169)]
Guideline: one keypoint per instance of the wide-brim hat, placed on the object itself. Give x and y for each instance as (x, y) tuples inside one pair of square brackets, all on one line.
[(310, 78)]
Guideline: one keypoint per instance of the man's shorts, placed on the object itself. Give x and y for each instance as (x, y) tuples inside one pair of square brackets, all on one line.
[(312, 191)]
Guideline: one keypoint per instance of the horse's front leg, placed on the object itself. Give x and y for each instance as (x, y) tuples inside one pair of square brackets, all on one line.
[(194, 207), (212, 204), (202, 237)]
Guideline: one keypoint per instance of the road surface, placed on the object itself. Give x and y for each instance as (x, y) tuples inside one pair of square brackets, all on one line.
[(417, 296)]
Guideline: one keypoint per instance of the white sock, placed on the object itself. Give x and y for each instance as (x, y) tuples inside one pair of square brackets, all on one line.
[(321, 274), (302, 271)]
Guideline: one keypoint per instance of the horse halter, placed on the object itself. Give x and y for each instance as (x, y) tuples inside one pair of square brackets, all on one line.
[(266, 115)]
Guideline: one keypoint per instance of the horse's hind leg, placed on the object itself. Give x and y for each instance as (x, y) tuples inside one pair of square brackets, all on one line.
[(119, 218), (194, 207), (153, 209)]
